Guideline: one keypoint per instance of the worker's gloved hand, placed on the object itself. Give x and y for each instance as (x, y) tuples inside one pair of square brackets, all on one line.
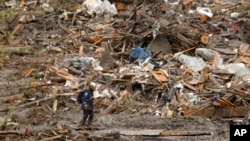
[(84, 106)]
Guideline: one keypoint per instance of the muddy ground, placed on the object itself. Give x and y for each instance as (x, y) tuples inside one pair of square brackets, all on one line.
[(37, 122), (40, 124)]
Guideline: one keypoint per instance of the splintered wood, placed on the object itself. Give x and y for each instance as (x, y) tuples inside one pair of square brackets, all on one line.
[(120, 101), (51, 50)]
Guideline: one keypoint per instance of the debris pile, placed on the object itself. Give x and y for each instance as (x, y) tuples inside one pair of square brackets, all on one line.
[(171, 58)]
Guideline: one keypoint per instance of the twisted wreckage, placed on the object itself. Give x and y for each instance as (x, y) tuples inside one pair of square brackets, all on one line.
[(167, 59)]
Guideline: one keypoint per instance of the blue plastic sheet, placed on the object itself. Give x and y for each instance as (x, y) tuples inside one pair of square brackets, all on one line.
[(139, 53)]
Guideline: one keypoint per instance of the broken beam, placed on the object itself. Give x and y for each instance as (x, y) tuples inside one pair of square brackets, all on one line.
[(224, 112), (185, 133)]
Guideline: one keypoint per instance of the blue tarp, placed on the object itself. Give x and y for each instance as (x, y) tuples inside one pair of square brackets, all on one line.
[(139, 53)]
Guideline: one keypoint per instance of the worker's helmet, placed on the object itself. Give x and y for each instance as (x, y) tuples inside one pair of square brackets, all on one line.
[(92, 84)]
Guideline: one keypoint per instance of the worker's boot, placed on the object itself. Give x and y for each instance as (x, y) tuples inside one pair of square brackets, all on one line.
[(91, 117), (84, 118), (83, 121)]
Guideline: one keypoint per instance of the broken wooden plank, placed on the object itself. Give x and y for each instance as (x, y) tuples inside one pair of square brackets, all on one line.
[(145, 132), (114, 105), (185, 133), (224, 112), (51, 138), (10, 132), (55, 103), (161, 76)]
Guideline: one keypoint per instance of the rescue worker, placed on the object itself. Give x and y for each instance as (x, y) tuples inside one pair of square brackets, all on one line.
[(87, 104)]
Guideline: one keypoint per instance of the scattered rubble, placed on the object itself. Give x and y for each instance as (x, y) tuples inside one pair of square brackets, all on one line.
[(170, 59)]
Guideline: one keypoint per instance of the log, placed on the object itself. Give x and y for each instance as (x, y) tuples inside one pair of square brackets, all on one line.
[(74, 71), (185, 133), (204, 39), (56, 79)]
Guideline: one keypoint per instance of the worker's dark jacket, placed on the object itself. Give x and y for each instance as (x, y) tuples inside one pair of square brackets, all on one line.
[(87, 97)]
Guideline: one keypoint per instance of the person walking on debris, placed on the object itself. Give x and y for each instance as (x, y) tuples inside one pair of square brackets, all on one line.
[(85, 98)]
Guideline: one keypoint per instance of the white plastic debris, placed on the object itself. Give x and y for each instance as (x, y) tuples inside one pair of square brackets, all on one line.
[(65, 14), (98, 68), (239, 69), (46, 7), (27, 18), (10, 3), (31, 99), (228, 84), (193, 98), (135, 69), (205, 53), (141, 64), (99, 7), (85, 62), (172, 3), (12, 124), (156, 29), (150, 67), (97, 94), (180, 87), (196, 64), (109, 93), (234, 15), (205, 11), (68, 84), (224, 10), (22, 19), (191, 12), (93, 6), (106, 93), (158, 112), (110, 8)]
